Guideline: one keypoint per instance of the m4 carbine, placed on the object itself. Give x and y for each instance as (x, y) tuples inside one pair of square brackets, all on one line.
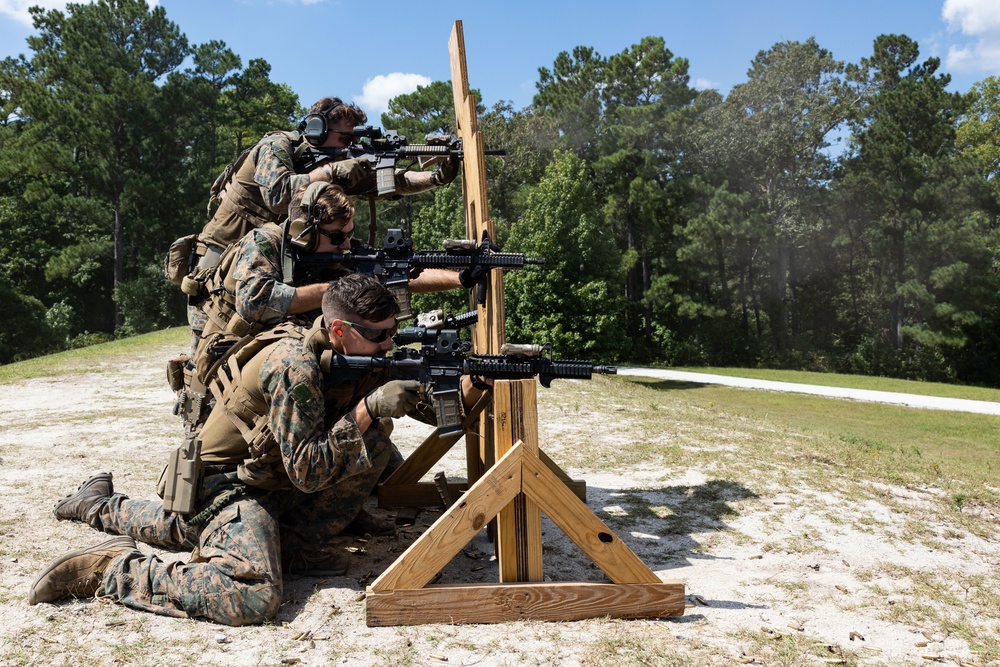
[(384, 150), (397, 262), (442, 359)]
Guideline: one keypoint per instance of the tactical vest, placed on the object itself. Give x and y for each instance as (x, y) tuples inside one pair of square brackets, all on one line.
[(220, 296), (241, 206), (238, 429)]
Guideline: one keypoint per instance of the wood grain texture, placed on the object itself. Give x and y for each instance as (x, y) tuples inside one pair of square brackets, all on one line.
[(498, 603)]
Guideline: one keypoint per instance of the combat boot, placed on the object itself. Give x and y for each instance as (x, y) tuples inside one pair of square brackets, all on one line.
[(77, 505), (78, 573)]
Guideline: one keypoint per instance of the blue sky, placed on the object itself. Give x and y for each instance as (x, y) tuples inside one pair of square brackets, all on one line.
[(368, 52)]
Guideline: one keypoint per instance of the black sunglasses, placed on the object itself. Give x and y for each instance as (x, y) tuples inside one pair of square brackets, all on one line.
[(336, 237), (372, 334)]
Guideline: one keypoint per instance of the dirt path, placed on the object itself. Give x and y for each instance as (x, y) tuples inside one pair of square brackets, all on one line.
[(778, 572), (891, 397)]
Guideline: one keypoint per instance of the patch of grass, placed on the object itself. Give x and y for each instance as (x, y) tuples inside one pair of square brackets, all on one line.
[(883, 443), (82, 360), (636, 643), (781, 646)]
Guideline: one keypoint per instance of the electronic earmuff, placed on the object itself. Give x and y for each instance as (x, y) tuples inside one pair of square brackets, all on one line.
[(302, 230), (314, 127)]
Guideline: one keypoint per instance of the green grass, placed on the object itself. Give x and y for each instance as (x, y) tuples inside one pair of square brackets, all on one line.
[(857, 382), (82, 359), (889, 443)]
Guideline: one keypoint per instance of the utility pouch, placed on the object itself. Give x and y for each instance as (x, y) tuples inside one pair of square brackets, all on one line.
[(175, 372), (182, 477), (180, 258)]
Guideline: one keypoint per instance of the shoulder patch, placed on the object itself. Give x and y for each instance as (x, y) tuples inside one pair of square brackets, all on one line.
[(265, 246), (282, 155), (304, 394)]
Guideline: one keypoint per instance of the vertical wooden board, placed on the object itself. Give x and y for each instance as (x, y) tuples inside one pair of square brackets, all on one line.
[(519, 526), (459, 72), (488, 333), (456, 527)]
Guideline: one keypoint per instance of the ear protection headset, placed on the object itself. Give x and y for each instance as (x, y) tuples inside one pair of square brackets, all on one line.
[(302, 231), (314, 127)]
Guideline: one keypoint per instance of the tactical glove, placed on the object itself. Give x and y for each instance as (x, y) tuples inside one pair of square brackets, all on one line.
[(393, 399), (349, 173), (470, 277), (447, 172)]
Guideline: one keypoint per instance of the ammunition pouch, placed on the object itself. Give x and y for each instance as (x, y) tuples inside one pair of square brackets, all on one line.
[(192, 404), (175, 372)]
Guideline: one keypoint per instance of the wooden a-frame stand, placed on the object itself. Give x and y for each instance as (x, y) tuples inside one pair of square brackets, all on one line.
[(515, 489)]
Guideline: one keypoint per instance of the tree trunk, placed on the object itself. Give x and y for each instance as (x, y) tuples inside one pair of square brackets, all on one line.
[(119, 264)]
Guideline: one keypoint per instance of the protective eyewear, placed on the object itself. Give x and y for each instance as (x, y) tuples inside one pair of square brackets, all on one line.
[(348, 136), (336, 237), (372, 334)]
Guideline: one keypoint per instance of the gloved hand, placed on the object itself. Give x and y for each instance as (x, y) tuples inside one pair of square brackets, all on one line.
[(470, 277), (348, 173), (447, 172), (393, 399)]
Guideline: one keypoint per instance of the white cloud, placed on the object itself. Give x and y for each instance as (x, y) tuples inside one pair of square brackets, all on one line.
[(378, 90), (979, 20), (972, 17), (701, 83), (18, 9)]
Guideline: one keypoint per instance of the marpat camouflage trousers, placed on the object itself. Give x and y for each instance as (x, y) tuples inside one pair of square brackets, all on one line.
[(234, 573)]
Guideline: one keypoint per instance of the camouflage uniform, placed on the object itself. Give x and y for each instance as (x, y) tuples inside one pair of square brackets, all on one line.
[(260, 295), (261, 189), (309, 481)]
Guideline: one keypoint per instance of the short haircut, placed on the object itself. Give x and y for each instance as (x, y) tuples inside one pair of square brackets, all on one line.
[(337, 110), (358, 296), (335, 205)]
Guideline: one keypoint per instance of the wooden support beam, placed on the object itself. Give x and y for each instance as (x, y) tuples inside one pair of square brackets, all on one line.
[(416, 566), (519, 526), (420, 494), (403, 483), (499, 603), (582, 526)]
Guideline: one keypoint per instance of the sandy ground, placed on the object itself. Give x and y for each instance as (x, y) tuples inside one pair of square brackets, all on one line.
[(742, 592)]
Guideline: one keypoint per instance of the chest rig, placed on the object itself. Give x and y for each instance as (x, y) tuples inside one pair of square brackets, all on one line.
[(238, 430)]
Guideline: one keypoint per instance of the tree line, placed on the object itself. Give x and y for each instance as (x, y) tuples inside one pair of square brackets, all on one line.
[(823, 215)]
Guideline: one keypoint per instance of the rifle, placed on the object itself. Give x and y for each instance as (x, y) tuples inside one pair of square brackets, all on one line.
[(384, 150), (442, 359), (393, 264)]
